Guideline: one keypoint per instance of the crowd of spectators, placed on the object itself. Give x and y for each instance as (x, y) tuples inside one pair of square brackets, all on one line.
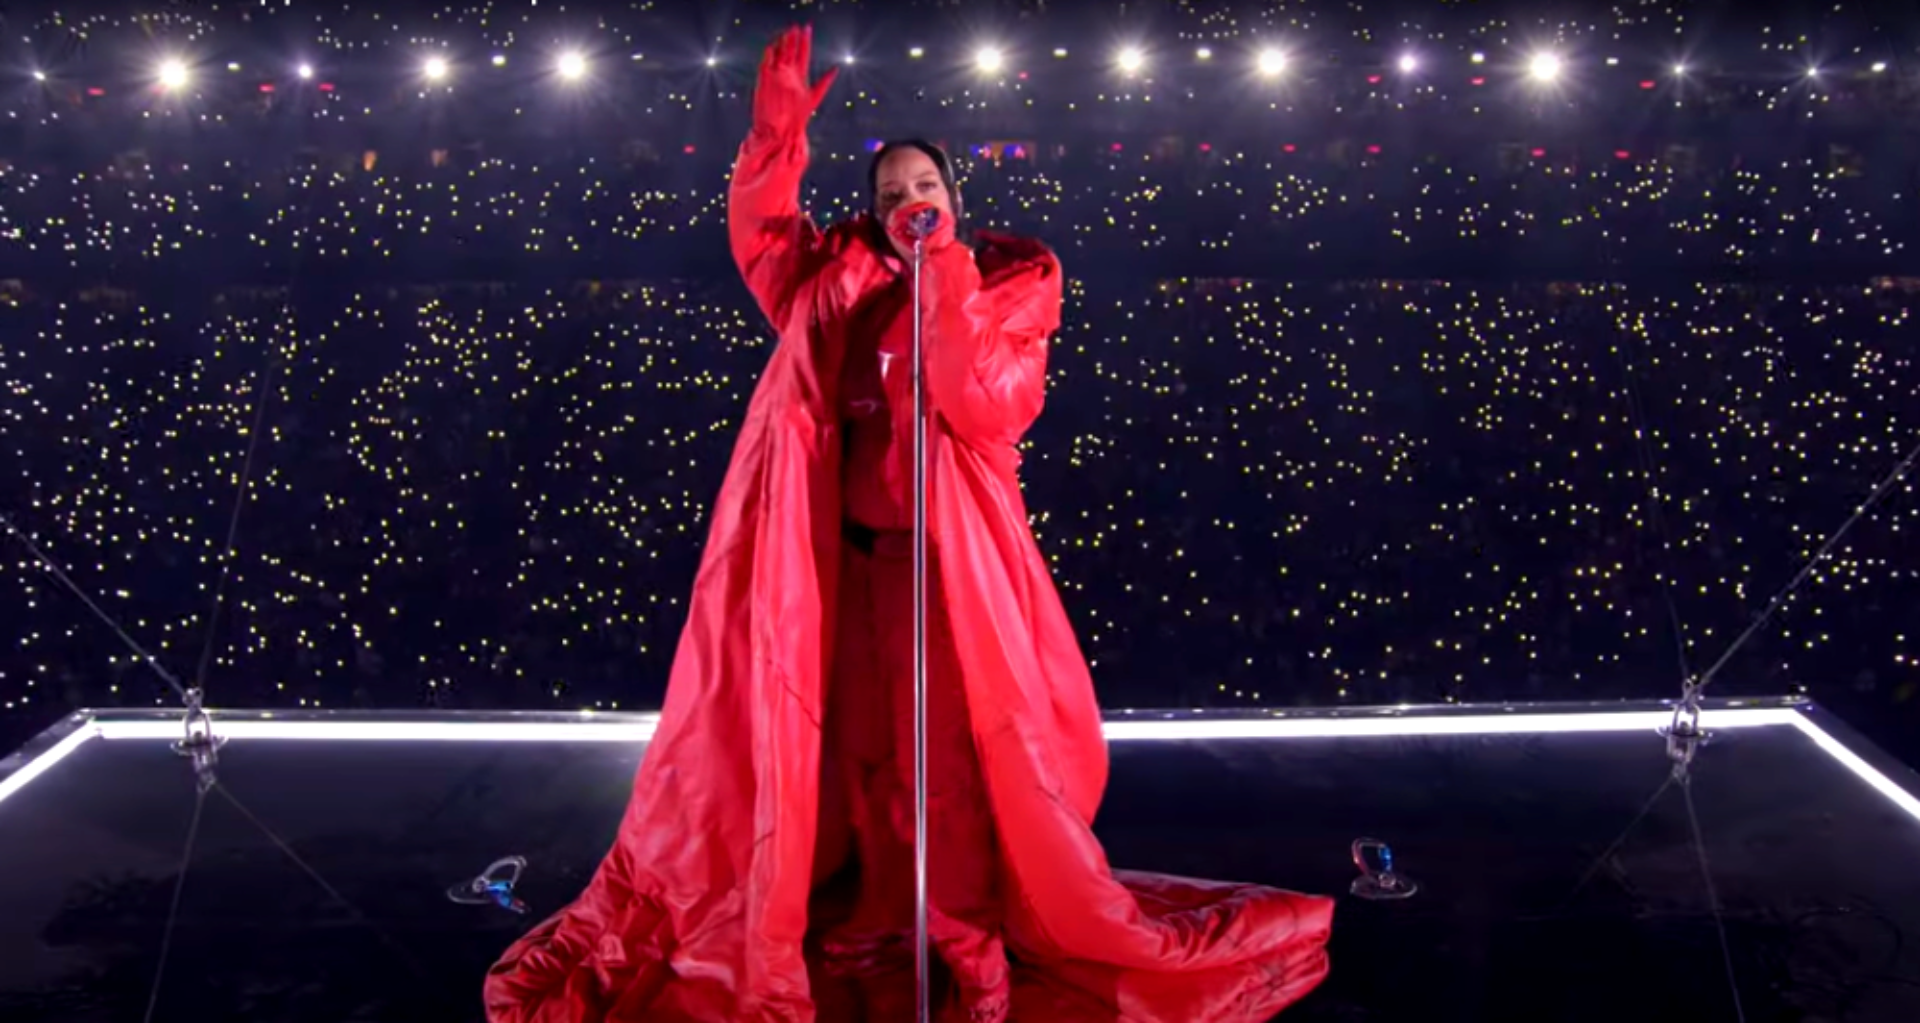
[(1334, 421)]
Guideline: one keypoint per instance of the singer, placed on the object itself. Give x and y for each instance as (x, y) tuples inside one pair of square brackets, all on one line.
[(764, 869)]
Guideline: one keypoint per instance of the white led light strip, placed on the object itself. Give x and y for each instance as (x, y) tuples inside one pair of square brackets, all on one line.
[(640, 728)]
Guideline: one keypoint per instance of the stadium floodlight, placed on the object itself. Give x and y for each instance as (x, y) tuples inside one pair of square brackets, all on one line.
[(1132, 60), (499, 60), (1478, 57), (1544, 67), (1879, 66), (436, 68), (1272, 62), (847, 59), (989, 59), (1204, 53), (713, 61), (306, 71), (173, 73), (39, 76), (1409, 63), (1059, 51), (572, 66), (917, 52), (1679, 69), (1813, 72)]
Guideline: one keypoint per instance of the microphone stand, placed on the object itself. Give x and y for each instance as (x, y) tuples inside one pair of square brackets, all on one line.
[(922, 972)]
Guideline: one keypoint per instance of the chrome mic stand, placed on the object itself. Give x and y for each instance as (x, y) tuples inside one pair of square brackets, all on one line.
[(923, 224)]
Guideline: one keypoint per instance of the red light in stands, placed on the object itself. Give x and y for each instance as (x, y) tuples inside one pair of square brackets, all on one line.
[(1621, 154), (1647, 83), (1373, 79), (266, 86), (1023, 76), (1538, 153), (688, 149), (1288, 148), (1116, 147), (1476, 80), (1206, 147), (94, 90), (1373, 150), (326, 86)]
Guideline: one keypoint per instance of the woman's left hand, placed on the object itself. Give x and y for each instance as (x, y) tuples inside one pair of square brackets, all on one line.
[(900, 228)]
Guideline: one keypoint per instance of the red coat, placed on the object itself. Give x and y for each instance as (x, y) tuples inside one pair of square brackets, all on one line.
[(700, 908)]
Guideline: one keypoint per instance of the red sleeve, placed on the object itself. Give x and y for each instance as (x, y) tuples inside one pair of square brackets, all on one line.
[(987, 343), (774, 244)]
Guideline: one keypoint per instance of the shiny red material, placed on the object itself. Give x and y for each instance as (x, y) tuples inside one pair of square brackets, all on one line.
[(714, 901)]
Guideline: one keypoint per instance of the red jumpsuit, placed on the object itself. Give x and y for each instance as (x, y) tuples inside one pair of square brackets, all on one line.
[(763, 869)]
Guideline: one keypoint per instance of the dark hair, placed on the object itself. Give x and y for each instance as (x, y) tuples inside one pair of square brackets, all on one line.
[(941, 162)]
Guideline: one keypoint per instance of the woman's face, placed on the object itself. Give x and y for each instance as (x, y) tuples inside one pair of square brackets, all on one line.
[(905, 177)]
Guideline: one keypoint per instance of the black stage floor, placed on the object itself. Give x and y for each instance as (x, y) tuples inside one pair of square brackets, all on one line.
[(318, 885)]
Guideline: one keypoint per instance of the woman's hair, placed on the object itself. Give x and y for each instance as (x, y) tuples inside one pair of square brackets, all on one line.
[(940, 161)]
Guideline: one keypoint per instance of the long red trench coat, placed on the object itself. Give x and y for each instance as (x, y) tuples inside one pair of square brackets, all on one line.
[(700, 909)]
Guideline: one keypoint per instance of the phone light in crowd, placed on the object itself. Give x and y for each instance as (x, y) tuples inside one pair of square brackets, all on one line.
[(572, 66), (1879, 67), (1059, 51), (1203, 53), (1478, 57), (436, 68), (499, 60), (1272, 63), (1648, 83), (1132, 60), (1544, 67), (173, 74), (989, 60), (713, 61), (848, 59), (1813, 72), (306, 72), (1409, 63), (39, 76), (1679, 70)]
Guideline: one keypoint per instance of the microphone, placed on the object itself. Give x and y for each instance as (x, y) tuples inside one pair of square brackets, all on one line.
[(924, 222)]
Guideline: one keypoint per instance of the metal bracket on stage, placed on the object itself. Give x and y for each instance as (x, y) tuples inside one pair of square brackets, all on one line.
[(494, 886), (200, 745), (1378, 880), (1684, 734)]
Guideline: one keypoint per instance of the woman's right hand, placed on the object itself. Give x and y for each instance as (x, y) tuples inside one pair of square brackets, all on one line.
[(783, 102)]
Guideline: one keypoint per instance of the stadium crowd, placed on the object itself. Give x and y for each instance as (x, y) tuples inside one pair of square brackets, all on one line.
[(1330, 422)]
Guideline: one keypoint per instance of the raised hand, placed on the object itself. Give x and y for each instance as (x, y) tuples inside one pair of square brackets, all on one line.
[(783, 101)]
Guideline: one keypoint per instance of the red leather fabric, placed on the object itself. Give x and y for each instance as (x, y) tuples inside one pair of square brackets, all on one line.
[(712, 904)]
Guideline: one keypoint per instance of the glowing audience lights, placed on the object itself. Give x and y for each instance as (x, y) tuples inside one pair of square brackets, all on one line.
[(1132, 60), (306, 72), (572, 66), (1544, 67), (1272, 63), (989, 59), (436, 68), (1409, 63)]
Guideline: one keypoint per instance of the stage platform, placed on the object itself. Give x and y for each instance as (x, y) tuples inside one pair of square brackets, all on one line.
[(318, 886)]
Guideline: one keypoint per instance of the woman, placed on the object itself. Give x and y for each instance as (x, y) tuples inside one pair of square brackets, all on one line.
[(764, 868)]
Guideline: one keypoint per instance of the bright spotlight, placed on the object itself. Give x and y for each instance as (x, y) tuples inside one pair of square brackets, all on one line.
[(1204, 53), (1879, 66), (173, 74), (572, 66), (499, 60), (39, 76), (436, 68), (848, 59), (713, 61), (1272, 62), (1478, 57), (1409, 63), (917, 52), (306, 71), (1544, 67), (1060, 51), (989, 59), (1132, 60), (1813, 72), (1679, 69)]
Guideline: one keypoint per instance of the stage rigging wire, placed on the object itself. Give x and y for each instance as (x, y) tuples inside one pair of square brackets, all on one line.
[(200, 743)]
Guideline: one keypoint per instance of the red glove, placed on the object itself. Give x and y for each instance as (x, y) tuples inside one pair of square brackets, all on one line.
[(899, 227), (782, 100)]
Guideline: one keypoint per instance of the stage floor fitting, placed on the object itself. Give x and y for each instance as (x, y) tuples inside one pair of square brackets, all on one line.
[(318, 884)]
